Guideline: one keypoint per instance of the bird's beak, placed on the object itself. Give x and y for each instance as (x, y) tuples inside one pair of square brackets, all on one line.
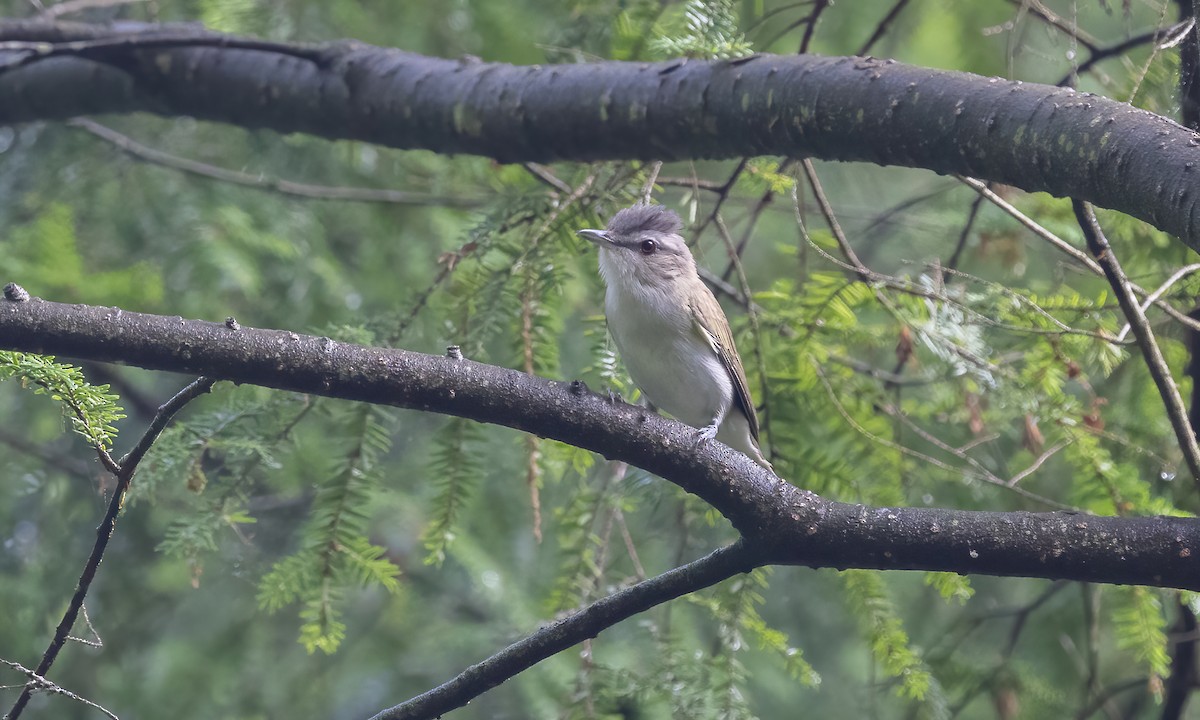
[(600, 237)]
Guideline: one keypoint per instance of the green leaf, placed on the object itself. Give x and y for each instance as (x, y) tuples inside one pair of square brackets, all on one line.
[(885, 632), (1141, 627), (91, 409)]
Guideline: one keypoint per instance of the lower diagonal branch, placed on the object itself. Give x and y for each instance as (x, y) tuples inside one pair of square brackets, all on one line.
[(126, 469), (582, 625)]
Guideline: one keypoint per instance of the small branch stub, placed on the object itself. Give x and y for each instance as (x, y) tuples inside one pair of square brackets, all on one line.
[(15, 293)]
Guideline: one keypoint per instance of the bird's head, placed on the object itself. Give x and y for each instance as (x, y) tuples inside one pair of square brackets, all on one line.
[(642, 248)]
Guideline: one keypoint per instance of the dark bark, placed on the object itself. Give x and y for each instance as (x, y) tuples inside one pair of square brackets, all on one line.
[(1182, 681), (1183, 665), (1189, 64), (1036, 137), (780, 523)]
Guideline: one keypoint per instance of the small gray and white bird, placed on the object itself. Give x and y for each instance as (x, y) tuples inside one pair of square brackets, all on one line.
[(670, 329)]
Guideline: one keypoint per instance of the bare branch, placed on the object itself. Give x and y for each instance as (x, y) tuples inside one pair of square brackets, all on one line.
[(1176, 276), (1176, 411), (263, 182), (1067, 248), (651, 178), (882, 28), (547, 176), (38, 683), (50, 456), (1172, 35), (583, 625), (1067, 27), (124, 475), (70, 7)]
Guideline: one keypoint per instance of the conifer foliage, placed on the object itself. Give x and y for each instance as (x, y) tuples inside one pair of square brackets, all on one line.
[(911, 339)]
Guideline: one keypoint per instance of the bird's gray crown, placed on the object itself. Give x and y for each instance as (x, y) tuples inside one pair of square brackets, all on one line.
[(639, 218)]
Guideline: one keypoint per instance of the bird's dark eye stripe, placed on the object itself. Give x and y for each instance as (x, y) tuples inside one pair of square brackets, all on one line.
[(648, 247)]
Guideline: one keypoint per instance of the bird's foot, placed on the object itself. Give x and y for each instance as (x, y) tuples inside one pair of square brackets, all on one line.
[(705, 434)]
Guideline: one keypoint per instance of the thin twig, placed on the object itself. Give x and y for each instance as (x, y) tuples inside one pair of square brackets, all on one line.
[(1172, 35), (961, 452), (125, 470), (1108, 694), (1031, 224), (865, 274), (890, 378), (648, 188), (545, 175), (972, 214), (1067, 27), (70, 7), (810, 172), (723, 287), (38, 683), (147, 154), (630, 548), (1067, 247), (882, 28), (1037, 464), (886, 217), (937, 442), (761, 20), (819, 7), (48, 455), (1020, 619), (979, 471), (1144, 71), (1157, 365), (98, 642), (694, 183), (533, 468), (1152, 297), (449, 261), (764, 201), (1061, 327), (722, 196), (786, 29)]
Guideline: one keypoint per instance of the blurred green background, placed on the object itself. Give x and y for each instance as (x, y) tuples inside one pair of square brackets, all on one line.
[(220, 595)]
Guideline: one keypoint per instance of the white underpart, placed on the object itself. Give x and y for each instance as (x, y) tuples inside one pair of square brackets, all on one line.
[(676, 368), (676, 365)]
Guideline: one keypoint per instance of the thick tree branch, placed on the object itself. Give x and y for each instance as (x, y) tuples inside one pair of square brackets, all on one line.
[(785, 524), (572, 630), (1036, 137)]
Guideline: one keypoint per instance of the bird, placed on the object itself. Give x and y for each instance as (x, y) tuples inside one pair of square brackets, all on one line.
[(670, 330)]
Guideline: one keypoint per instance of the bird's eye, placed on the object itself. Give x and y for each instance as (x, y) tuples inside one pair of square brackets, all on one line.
[(649, 247)]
